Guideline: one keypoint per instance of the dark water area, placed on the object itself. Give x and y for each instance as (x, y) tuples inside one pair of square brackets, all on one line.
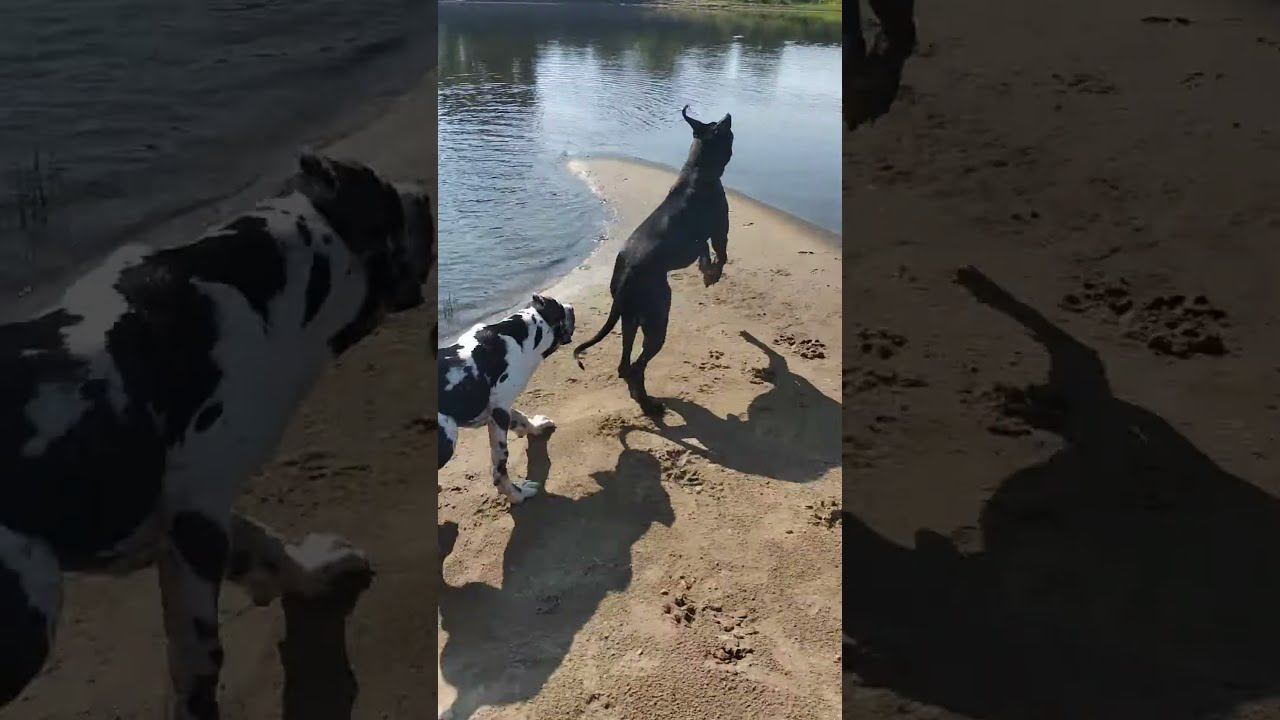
[(524, 89), (116, 113)]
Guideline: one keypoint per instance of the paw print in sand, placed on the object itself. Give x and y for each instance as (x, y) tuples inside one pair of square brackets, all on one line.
[(879, 343), (824, 513), (807, 348), (1173, 325), (681, 467), (713, 361)]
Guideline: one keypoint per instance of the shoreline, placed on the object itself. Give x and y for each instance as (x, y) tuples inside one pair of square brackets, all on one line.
[(593, 269)]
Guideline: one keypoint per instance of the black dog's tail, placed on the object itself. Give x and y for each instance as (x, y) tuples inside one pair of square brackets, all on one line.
[(614, 313)]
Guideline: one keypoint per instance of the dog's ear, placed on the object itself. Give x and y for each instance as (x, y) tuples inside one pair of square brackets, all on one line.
[(317, 172), (725, 124), (698, 126)]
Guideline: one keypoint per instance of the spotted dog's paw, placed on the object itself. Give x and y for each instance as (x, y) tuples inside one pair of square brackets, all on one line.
[(540, 425), (325, 559), (520, 493)]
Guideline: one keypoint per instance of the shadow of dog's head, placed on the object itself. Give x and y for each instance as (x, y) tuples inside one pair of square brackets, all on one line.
[(712, 143), (387, 226), (559, 316)]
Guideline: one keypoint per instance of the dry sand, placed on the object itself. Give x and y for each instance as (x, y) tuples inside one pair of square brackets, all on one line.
[(680, 572), (356, 462), (1105, 544)]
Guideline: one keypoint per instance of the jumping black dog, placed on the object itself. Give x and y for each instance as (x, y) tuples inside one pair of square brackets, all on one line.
[(694, 212)]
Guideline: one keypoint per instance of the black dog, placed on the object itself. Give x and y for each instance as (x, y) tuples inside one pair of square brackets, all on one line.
[(672, 237)]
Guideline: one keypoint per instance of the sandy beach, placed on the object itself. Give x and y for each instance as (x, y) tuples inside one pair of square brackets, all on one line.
[(686, 571), (1062, 490), (357, 462)]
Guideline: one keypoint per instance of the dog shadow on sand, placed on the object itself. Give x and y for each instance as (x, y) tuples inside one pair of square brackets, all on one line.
[(563, 558), (789, 432), (318, 681), (1126, 576)]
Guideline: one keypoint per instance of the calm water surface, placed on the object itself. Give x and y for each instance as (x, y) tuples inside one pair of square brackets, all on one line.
[(523, 89), (139, 108)]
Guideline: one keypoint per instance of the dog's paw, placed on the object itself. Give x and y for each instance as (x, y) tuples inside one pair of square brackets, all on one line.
[(540, 424), (325, 559), (653, 408), (520, 493)]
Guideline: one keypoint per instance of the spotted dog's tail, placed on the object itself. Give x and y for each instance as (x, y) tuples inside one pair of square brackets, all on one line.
[(614, 313)]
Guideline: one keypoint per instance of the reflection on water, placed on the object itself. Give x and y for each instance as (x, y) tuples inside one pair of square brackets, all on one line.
[(524, 88)]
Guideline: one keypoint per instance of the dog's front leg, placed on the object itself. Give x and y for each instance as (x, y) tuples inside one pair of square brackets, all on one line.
[(192, 563), (712, 267), (499, 455), (719, 241), (267, 567), (720, 244)]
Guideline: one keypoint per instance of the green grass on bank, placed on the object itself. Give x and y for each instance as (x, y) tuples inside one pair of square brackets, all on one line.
[(832, 10)]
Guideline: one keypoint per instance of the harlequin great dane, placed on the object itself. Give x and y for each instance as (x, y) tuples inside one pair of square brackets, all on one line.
[(132, 412), (481, 375), (691, 223)]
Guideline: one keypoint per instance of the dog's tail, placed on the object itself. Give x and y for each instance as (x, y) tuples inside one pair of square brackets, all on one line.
[(614, 313)]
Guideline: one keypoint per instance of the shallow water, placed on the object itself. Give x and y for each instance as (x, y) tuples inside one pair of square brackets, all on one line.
[(523, 89), (142, 107)]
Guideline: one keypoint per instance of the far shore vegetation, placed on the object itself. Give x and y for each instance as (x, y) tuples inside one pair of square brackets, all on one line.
[(826, 10)]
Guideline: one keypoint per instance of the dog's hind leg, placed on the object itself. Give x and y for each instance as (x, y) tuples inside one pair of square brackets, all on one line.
[(657, 313), (192, 563), (536, 425), (267, 567), (630, 324), (499, 423), (30, 601)]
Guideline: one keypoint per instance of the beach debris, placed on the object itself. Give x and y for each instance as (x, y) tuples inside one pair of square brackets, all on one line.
[(1162, 20), (1084, 83)]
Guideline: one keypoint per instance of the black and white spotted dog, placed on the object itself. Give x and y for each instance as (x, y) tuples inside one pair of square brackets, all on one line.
[(481, 375), (132, 412)]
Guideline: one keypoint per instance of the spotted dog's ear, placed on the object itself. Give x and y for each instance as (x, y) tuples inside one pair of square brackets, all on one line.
[(542, 304), (549, 309), (317, 170)]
